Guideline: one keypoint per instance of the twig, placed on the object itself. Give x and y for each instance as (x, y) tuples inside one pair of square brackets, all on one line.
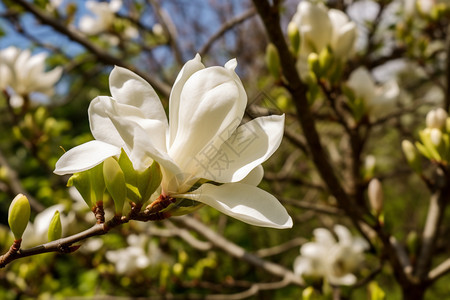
[(440, 270), (101, 55), (296, 242), (435, 215), (225, 27), (236, 251)]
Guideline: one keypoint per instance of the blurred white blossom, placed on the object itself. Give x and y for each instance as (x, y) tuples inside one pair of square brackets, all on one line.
[(22, 74), (140, 254), (378, 99), (331, 259), (320, 27)]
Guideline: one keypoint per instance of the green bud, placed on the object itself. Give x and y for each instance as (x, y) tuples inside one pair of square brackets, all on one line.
[(273, 61), (314, 64), (115, 183), (140, 185), (412, 156), (19, 215), (90, 184), (412, 242), (310, 294), (55, 228), (376, 293), (325, 59), (294, 37)]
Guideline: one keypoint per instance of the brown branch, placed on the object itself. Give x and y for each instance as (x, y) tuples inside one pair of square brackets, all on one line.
[(294, 243), (220, 242), (101, 55), (225, 27)]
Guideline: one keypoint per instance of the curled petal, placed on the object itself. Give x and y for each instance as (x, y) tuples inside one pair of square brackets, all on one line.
[(129, 88), (249, 146), (84, 157), (244, 202), (254, 177)]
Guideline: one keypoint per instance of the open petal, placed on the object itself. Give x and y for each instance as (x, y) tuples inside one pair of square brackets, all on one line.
[(129, 88), (84, 157), (254, 177), (213, 104), (188, 69), (249, 146), (362, 84), (244, 202)]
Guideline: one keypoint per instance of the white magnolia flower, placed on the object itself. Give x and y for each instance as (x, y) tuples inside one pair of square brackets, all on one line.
[(320, 27), (436, 118), (333, 260), (379, 99), (202, 141), (22, 73), (102, 18), (139, 255)]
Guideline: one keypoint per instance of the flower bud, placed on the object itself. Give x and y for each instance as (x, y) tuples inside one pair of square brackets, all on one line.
[(273, 61), (436, 136), (325, 59), (412, 156), (314, 64), (369, 166), (19, 215), (294, 37), (90, 184), (140, 185), (55, 228), (436, 118), (115, 183), (310, 294), (375, 193)]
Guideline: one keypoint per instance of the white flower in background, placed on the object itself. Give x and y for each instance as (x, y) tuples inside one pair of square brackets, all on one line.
[(379, 99), (202, 141), (320, 27), (436, 118), (36, 233), (330, 259), (134, 257), (22, 74), (102, 18)]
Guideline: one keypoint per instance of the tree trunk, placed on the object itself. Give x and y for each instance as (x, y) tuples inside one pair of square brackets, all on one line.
[(414, 292)]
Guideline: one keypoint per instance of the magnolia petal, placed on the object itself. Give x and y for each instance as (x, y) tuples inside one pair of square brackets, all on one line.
[(254, 177), (362, 84), (213, 105), (249, 146), (84, 157), (188, 69), (324, 237), (344, 235), (348, 279), (244, 202), (129, 88), (47, 80)]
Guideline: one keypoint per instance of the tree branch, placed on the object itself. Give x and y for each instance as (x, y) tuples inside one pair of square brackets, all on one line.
[(222, 243), (225, 27), (101, 55)]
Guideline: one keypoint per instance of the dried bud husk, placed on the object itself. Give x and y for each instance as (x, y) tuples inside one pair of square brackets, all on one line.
[(375, 193), (19, 215), (55, 228)]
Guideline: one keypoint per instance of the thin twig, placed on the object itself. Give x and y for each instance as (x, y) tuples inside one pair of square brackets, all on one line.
[(225, 27), (237, 251)]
